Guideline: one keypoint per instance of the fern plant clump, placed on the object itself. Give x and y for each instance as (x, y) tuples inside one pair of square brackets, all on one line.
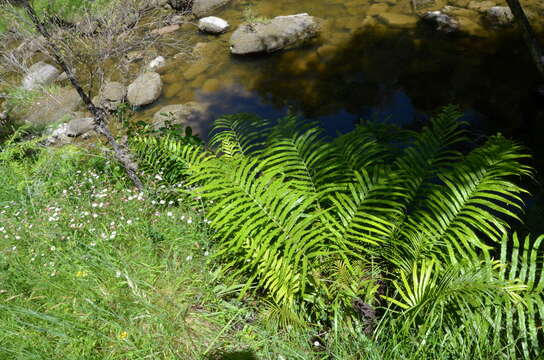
[(381, 226)]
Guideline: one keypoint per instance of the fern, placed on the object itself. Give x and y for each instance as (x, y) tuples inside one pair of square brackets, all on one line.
[(319, 225)]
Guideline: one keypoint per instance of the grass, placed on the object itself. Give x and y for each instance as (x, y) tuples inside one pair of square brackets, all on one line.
[(92, 269), (68, 10)]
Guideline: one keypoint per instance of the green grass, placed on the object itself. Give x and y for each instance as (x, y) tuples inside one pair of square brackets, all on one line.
[(92, 269), (68, 10)]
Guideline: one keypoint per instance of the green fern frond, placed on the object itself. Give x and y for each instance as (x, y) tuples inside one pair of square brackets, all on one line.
[(430, 295), (361, 148), (432, 152), (240, 133), (522, 322), (166, 155), (304, 160), (365, 214), (266, 227), (474, 201)]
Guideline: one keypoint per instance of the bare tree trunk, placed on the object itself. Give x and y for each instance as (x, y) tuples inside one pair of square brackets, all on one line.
[(528, 34), (99, 115)]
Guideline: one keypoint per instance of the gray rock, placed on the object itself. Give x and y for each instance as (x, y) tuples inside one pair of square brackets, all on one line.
[(213, 25), (40, 74), (279, 33), (186, 114), (206, 7), (442, 22), (112, 95), (499, 16), (145, 89), (157, 63), (79, 126), (51, 108)]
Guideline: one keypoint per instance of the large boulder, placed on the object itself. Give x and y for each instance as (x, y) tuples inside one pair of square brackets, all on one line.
[(213, 25), (279, 33), (112, 95), (180, 114), (145, 89), (206, 7), (40, 74)]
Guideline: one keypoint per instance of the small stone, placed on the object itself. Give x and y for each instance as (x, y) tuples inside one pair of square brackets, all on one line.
[(213, 25), (156, 63)]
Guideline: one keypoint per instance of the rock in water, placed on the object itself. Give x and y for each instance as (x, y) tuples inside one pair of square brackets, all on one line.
[(40, 74), (279, 33), (441, 21), (213, 25), (499, 16), (145, 89), (205, 7)]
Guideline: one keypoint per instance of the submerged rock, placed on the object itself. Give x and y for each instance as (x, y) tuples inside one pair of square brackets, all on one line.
[(396, 20), (206, 7), (40, 74), (279, 33), (441, 21), (499, 16), (213, 25), (145, 89), (112, 95), (179, 114)]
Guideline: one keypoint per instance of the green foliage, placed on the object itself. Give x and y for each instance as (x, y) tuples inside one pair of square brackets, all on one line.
[(411, 218), (68, 11)]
